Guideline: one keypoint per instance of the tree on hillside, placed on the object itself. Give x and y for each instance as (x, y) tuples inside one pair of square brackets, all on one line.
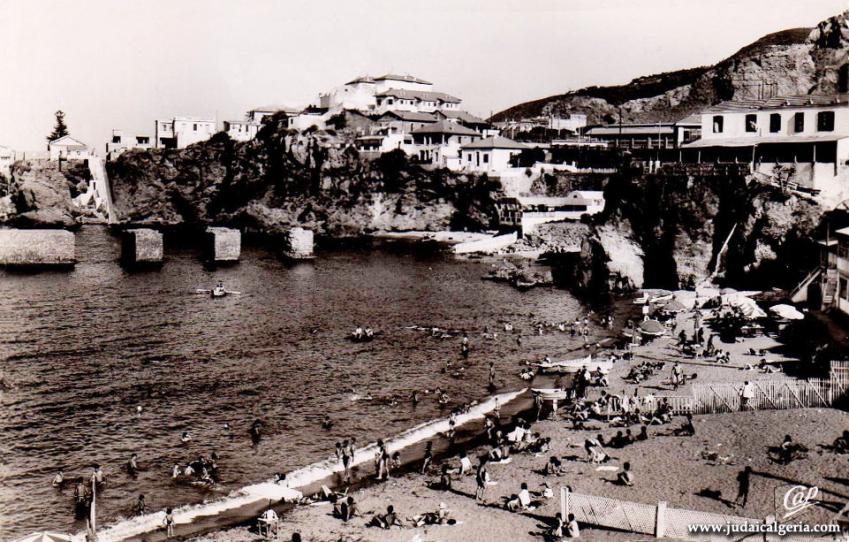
[(60, 129)]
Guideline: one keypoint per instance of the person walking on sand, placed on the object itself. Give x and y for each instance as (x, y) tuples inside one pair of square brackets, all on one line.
[(744, 478), (481, 478), (746, 396), (428, 457), (169, 523)]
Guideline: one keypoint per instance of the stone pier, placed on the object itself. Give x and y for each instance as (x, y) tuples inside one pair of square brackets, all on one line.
[(142, 247), (36, 248), (222, 245), (298, 244)]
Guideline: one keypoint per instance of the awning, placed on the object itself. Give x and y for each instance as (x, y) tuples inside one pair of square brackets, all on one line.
[(753, 141)]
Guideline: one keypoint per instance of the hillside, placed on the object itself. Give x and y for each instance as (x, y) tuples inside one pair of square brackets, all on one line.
[(795, 61)]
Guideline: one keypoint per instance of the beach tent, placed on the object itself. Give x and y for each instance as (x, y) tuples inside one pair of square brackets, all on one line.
[(673, 306), (787, 312), (46, 537)]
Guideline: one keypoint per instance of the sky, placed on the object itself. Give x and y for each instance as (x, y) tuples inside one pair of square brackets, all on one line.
[(122, 63)]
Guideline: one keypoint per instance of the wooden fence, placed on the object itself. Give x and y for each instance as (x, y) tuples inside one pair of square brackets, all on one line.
[(661, 521), (721, 397)]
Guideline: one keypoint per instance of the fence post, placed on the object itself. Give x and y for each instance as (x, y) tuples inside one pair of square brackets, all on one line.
[(660, 520), (564, 503)]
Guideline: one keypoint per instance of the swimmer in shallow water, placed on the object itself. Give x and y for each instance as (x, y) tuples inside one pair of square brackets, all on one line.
[(185, 437), (327, 424), (59, 479)]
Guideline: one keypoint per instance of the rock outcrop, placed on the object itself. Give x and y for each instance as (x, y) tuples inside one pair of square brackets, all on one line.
[(677, 231), (791, 62), (284, 179), (40, 194)]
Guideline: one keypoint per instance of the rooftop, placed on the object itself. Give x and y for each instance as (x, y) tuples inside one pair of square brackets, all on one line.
[(633, 129), (495, 142), (778, 102), (445, 127), (463, 116), (413, 116), (421, 95), (404, 78)]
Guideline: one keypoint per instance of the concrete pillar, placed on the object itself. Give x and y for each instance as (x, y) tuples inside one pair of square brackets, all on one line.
[(298, 244), (142, 247), (222, 244), (36, 248)]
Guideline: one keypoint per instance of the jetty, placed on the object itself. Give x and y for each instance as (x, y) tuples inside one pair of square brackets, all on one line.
[(142, 247)]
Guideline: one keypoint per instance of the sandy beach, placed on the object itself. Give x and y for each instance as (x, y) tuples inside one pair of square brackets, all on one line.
[(696, 473)]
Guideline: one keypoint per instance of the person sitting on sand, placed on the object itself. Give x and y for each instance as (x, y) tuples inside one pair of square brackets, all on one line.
[(556, 531), (595, 449), (687, 429), (554, 467), (521, 501), (444, 483), (840, 444), (572, 530), (625, 476), (385, 521), (545, 492), (349, 509), (643, 434)]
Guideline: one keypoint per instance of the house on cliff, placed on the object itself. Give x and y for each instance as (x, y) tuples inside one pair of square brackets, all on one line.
[(180, 132), (801, 141), (121, 143), (241, 130), (68, 148), (659, 135)]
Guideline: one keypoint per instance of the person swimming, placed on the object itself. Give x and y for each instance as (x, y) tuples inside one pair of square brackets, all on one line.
[(327, 424), (185, 437), (133, 465), (59, 479)]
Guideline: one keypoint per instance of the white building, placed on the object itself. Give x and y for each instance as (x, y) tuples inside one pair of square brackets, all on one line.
[(526, 212), (7, 158), (241, 130), (121, 143), (491, 154), (257, 114), (573, 122), (180, 132), (440, 143), (806, 136), (309, 119), (415, 100), (649, 135), (68, 148)]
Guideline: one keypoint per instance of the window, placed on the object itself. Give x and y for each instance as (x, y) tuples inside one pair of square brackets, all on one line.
[(751, 123), (486, 158), (775, 123), (142, 140), (799, 122), (844, 288), (116, 139), (718, 122), (194, 127), (825, 121)]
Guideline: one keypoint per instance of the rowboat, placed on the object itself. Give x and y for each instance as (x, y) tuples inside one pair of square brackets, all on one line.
[(574, 365)]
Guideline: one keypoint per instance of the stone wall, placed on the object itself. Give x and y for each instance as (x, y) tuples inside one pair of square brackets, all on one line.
[(223, 244), (299, 244), (142, 247)]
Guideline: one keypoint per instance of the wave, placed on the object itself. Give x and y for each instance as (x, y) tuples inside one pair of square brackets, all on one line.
[(269, 492)]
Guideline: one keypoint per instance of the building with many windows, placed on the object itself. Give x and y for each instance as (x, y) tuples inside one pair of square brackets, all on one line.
[(658, 135), (180, 132), (121, 143), (803, 138), (241, 130)]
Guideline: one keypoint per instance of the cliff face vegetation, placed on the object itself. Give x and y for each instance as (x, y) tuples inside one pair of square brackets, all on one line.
[(315, 179), (676, 231), (796, 61)]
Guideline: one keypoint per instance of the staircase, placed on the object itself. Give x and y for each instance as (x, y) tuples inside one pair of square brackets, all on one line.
[(800, 292), (100, 186), (829, 287)]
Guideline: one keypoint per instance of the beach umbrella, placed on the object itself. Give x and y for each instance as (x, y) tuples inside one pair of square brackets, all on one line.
[(652, 327), (787, 312), (46, 537)]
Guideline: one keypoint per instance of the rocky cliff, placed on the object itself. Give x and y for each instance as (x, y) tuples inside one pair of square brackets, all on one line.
[(676, 230), (315, 179), (796, 61), (40, 193)]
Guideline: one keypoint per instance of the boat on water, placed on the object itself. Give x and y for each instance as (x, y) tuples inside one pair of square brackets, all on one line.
[(574, 365), (218, 292)]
